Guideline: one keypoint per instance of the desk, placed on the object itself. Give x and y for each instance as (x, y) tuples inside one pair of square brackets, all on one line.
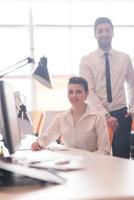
[(104, 178)]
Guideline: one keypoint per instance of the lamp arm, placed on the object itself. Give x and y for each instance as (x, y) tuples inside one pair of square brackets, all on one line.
[(14, 65), (29, 60), (1, 76)]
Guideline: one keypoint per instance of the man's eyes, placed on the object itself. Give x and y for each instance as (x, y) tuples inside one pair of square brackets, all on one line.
[(100, 31), (76, 92)]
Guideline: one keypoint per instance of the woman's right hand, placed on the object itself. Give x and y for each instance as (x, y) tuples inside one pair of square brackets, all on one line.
[(35, 146)]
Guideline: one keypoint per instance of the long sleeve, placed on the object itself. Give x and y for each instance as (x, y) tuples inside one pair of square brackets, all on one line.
[(86, 72), (130, 87), (101, 131), (51, 134)]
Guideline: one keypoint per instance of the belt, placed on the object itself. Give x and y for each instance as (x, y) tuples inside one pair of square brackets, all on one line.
[(120, 111)]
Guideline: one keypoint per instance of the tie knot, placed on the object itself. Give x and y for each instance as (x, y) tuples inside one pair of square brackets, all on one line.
[(106, 54)]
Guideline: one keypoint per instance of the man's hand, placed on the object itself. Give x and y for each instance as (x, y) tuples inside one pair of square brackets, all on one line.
[(129, 114), (112, 123)]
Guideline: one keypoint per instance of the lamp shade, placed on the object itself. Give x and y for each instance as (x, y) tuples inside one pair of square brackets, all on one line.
[(41, 73)]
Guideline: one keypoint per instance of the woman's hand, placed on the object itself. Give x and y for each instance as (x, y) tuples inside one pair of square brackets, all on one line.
[(35, 146)]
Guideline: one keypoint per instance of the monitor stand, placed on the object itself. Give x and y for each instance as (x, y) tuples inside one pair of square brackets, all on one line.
[(12, 174), (12, 179), (8, 178)]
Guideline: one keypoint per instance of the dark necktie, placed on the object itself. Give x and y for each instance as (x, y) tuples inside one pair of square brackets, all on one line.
[(108, 79)]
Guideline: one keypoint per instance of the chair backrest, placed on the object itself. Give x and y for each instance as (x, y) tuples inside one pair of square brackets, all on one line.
[(110, 132), (37, 118), (132, 128)]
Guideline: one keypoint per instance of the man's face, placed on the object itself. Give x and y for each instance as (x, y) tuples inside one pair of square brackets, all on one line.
[(104, 35)]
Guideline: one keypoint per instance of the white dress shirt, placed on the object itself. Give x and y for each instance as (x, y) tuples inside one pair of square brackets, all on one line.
[(89, 133), (92, 68)]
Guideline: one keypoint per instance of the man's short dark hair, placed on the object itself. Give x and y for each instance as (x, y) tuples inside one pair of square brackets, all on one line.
[(79, 80), (101, 20)]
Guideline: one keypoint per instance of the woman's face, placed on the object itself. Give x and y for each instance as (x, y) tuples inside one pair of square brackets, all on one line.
[(76, 94)]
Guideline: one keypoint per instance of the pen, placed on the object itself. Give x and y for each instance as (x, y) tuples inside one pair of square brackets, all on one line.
[(1, 152)]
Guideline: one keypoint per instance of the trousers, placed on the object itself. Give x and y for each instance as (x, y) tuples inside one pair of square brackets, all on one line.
[(121, 138)]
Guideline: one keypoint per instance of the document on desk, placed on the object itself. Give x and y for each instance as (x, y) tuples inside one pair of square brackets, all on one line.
[(47, 159), (25, 155), (53, 157), (58, 147), (61, 164)]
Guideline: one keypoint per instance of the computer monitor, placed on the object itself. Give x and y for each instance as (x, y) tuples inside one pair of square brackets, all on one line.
[(11, 173), (8, 118)]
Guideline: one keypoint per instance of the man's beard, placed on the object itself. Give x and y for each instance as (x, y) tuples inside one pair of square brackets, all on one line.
[(105, 44)]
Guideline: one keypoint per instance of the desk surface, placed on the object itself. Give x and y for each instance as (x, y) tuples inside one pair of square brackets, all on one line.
[(105, 177)]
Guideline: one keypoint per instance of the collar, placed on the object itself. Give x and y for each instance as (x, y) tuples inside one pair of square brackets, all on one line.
[(101, 52), (89, 111)]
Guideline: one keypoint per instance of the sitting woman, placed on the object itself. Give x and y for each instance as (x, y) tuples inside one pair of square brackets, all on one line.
[(79, 127)]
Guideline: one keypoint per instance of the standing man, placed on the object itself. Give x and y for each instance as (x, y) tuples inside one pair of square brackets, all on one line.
[(108, 93)]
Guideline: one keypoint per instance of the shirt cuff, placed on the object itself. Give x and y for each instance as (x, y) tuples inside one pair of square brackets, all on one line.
[(107, 115), (41, 141)]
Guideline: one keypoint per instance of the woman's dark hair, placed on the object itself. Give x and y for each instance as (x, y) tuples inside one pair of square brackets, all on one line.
[(79, 80), (102, 20)]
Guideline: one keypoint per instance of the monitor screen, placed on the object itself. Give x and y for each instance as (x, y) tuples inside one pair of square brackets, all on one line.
[(8, 118)]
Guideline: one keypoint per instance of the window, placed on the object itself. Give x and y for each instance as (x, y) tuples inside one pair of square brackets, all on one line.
[(61, 30)]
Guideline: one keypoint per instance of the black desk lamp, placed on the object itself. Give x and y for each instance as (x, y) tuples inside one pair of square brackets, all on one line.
[(41, 74)]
